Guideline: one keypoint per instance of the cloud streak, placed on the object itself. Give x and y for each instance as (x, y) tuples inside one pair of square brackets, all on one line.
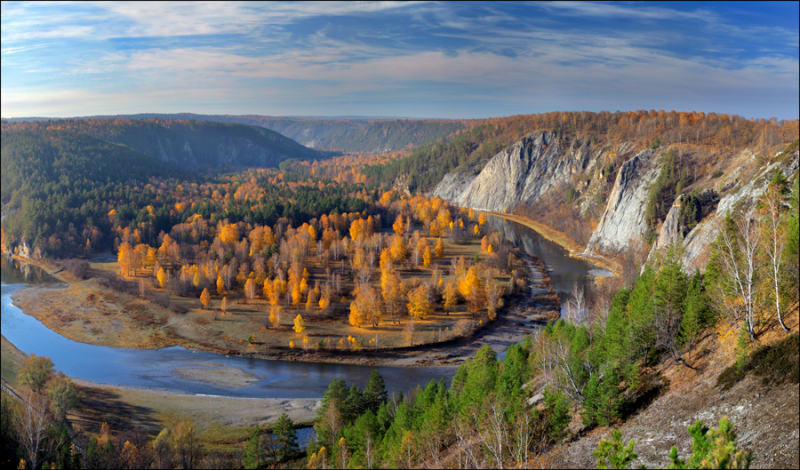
[(385, 58)]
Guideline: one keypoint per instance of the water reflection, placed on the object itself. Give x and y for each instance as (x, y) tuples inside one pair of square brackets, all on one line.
[(564, 271)]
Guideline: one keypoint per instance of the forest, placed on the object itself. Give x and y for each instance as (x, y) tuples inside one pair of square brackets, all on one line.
[(469, 149)]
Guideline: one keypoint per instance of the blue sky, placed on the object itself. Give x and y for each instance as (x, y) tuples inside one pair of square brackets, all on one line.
[(412, 59)]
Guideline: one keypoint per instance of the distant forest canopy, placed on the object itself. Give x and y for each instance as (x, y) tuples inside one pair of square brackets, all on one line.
[(181, 142), (66, 193), (470, 149), (349, 135)]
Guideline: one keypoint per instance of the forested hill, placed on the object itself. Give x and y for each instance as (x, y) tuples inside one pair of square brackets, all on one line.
[(53, 179), (350, 135), (184, 143)]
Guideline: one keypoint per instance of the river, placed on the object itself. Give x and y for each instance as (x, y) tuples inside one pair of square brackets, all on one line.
[(158, 369), (564, 270)]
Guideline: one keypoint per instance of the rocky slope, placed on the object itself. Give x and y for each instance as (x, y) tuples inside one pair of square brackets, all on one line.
[(623, 219), (520, 174), (535, 166)]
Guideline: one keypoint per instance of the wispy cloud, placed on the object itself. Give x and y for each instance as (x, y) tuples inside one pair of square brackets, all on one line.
[(329, 58)]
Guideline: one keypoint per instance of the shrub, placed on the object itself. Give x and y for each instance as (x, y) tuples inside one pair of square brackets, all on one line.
[(77, 267)]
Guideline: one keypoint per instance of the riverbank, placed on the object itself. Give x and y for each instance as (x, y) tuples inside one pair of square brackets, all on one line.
[(576, 250)]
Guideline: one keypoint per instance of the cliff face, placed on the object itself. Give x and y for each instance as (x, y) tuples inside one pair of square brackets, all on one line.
[(624, 217), (537, 164), (531, 167)]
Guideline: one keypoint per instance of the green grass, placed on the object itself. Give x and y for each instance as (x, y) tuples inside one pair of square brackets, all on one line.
[(11, 361), (775, 364)]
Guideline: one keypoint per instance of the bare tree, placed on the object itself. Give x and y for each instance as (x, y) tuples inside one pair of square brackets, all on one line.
[(332, 420), (369, 449), (575, 310), (34, 426), (738, 251), (775, 242), (523, 432), (494, 430), (554, 357)]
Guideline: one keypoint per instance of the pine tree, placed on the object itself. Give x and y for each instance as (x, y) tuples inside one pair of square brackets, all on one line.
[(286, 436), (253, 455), (375, 392)]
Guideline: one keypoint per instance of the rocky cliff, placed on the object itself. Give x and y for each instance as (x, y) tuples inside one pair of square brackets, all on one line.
[(623, 220), (520, 174), (529, 170)]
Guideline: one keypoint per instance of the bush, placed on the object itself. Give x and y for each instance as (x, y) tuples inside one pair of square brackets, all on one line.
[(77, 267)]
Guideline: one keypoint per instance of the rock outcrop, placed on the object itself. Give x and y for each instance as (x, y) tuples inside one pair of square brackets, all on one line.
[(624, 217), (537, 164), (694, 245), (532, 166)]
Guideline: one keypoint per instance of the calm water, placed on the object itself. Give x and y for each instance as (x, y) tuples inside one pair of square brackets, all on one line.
[(564, 271), (278, 379)]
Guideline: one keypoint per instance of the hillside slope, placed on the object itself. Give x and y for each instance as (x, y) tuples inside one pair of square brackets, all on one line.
[(349, 135), (765, 417), (538, 168), (185, 144)]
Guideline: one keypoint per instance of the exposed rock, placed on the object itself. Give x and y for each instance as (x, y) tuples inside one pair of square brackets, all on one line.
[(532, 166), (623, 219), (536, 399)]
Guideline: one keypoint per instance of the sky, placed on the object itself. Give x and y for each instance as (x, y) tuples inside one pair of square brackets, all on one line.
[(404, 59)]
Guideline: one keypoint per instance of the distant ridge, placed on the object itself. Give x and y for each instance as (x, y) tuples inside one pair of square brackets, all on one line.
[(376, 134)]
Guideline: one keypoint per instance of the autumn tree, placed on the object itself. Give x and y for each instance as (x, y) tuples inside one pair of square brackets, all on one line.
[(35, 372), (224, 305), (426, 256), (471, 289), (399, 225), (493, 293), (418, 303), (299, 324), (439, 248), (205, 298), (398, 248), (250, 289), (392, 293), (161, 276), (450, 296), (125, 258)]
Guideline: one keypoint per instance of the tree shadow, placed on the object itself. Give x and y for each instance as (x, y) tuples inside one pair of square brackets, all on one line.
[(98, 406)]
